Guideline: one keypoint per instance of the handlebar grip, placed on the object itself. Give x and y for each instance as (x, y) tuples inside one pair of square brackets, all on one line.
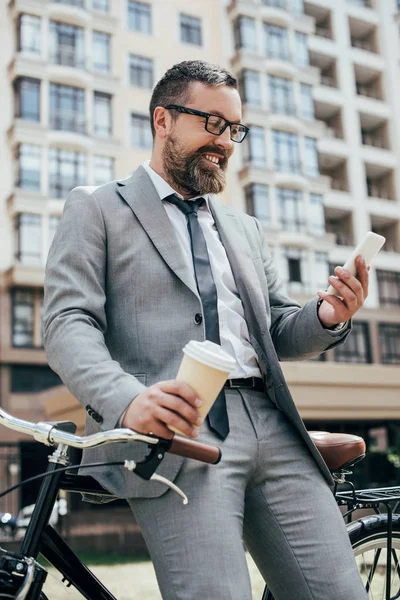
[(197, 450)]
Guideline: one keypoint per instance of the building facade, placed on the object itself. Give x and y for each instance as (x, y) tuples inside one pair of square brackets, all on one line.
[(320, 167)]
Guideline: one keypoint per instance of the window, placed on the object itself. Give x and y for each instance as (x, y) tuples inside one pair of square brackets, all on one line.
[(139, 17), (389, 337), (67, 169), (276, 42), (141, 71), (29, 167), (28, 233), (317, 215), (102, 117), (67, 45), (101, 52), (245, 34), (296, 271), (257, 202), (101, 5), (141, 132), (297, 7), (302, 58), (281, 95), (29, 34), (67, 108), (290, 209), (286, 151), (103, 169), (306, 102), (190, 29), (320, 272), (249, 85), (78, 3), (255, 152), (311, 167), (54, 222), (27, 103), (24, 312), (356, 348), (388, 287), (28, 378)]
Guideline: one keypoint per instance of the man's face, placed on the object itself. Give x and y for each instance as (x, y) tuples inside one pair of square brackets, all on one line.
[(194, 159)]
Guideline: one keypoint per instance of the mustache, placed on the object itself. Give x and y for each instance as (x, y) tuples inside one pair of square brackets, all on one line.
[(223, 154)]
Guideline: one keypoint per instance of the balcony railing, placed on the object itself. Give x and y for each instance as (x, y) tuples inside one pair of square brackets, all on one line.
[(283, 108), (379, 191), (338, 185), (68, 121), (275, 3), (288, 166), (373, 140), (363, 44), (78, 3), (323, 32), (67, 56), (365, 3), (333, 132), (278, 53), (370, 92), (328, 80)]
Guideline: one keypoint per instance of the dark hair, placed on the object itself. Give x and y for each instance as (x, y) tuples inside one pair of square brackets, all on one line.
[(173, 87)]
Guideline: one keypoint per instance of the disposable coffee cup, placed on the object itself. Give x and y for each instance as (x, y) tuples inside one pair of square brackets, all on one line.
[(205, 367)]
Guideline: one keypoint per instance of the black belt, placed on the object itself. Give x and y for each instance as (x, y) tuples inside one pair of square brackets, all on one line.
[(254, 383)]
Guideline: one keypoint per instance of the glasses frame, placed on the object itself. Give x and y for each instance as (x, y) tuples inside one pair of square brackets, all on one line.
[(199, 113)]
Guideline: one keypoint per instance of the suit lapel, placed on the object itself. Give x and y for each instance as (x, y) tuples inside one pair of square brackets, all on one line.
[(140, 194)]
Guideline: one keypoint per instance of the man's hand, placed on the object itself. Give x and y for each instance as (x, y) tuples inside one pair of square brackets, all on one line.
[(165, 403), (353, 291)]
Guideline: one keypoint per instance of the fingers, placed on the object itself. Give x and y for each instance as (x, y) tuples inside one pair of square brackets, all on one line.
[(182, 389)]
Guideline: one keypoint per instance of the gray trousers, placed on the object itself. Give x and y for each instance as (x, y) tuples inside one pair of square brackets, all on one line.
[(268, 492)]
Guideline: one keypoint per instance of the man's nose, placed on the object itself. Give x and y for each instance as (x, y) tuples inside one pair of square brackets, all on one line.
[(224, 139)]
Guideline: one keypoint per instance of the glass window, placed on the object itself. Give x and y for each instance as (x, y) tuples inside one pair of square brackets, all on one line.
[(27, 99), (67, 45), (245, 34), (103, 169), (28, 233), (54, 222), (250, 89), (101, 5), (101, 52), (389, 337), (29, 167), (141, 132), (102, 117), (255, 151), (29, 378), (141, 71), (286, 151), (190, 29), (281, 95), (317, 215), (290, 209), (297, 7), (139, 17), (276, 43), (22, 318), (306, 102), (356, 348), (67, 169), (257, 202), (311, 167), (297, 272), (67, 108), (29, 34), (78, 3), (388, 287), (302, 58)]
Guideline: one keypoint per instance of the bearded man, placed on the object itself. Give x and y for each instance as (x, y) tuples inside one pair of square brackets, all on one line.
[(138, 268)]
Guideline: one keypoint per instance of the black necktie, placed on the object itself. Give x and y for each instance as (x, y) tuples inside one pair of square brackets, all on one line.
[(218, 416)]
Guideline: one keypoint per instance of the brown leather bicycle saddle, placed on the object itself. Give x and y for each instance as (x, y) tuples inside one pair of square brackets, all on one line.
[(339, 450)]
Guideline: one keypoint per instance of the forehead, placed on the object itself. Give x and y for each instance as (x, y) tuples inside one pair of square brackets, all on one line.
[(217, 100)]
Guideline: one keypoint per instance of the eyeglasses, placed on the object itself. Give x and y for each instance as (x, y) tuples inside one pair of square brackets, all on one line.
[(214, 123)]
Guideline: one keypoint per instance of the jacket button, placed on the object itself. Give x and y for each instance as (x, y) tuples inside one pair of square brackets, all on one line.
[(198, 318)]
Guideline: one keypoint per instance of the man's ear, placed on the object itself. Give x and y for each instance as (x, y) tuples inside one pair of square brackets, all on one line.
[(161, 121)]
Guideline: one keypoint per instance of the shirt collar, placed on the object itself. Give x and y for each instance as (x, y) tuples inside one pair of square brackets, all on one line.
[(163, 188)]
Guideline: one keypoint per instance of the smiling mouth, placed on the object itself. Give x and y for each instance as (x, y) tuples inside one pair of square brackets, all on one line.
[(212, 159)]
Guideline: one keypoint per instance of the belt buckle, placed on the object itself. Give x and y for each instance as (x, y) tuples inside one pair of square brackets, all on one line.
[(232, 385)]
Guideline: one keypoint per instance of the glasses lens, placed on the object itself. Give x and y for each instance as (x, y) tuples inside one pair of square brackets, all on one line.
[(215, 124), (238, 132)]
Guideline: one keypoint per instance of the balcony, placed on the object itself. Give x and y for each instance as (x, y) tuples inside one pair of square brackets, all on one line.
[(363, 35), (25, 276), (70, 11), (327, 66), (69, 128), (340, 224), (380, 182), (336, 169), (68, 66), (390, 229)]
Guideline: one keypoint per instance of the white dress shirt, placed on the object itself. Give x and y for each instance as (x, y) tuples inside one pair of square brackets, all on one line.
[(234, 334)]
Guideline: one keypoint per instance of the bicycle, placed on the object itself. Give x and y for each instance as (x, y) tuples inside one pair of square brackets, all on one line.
[(22, 577)]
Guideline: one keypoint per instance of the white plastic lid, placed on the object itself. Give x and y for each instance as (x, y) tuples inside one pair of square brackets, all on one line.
[(210, 354)]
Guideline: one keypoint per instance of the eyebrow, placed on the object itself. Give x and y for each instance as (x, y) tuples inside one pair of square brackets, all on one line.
[(219, 114)]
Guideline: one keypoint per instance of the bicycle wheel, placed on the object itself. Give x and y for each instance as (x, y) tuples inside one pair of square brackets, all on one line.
[(368, 538)]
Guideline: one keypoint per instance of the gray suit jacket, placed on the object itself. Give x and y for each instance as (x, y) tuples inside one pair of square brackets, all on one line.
[(120, 305)]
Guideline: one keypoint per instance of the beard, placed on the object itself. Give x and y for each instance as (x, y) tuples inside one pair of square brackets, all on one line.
[(191, 173)]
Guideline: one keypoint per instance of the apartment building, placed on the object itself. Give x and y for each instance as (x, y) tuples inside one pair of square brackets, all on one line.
[(319, 168)]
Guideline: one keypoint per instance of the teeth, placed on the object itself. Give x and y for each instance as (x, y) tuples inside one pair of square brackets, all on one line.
[(213, 159)]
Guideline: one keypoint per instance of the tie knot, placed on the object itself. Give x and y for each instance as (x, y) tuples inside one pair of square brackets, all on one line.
[(186, 206)]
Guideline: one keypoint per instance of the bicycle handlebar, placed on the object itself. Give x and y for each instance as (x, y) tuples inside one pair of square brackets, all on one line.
[(48, 434)]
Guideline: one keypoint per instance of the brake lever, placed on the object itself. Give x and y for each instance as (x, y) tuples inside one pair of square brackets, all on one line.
[(131, 465)]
